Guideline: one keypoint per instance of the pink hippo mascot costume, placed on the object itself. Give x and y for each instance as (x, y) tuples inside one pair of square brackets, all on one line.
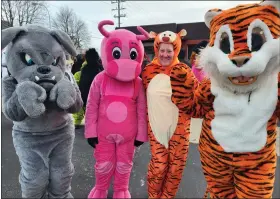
[(115, 119)]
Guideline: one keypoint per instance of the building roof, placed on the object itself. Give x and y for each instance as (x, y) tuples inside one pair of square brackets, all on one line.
[(195, 31), (156, 28), (4, 24)]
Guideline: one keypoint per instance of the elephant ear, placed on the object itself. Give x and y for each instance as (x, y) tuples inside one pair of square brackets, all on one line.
[(65, 41), (10, 34)]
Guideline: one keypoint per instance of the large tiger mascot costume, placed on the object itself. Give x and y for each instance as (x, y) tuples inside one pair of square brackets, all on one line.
[(240, 102), (169, 98)]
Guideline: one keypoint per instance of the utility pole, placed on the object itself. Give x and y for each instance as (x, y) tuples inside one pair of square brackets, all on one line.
[(119, 8)]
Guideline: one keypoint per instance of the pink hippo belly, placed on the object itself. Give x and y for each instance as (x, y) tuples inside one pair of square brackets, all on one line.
[(116, 112), (118, 123)]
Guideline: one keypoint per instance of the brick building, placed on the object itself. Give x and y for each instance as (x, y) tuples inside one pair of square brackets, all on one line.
[(196, 32)]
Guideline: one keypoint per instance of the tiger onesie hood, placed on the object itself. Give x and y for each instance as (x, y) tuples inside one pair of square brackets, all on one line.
[(169, 92), (168, 37), (239, 103)]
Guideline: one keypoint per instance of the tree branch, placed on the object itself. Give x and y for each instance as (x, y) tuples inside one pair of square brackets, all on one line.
[(67, 21)]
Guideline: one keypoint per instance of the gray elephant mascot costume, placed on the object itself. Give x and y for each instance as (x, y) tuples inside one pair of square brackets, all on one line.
[(39, 98)]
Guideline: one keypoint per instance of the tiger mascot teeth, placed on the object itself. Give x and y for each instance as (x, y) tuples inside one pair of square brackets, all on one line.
[(169, 92), (239, 103)]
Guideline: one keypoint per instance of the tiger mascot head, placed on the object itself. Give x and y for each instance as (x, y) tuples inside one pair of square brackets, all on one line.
[(244, 45)]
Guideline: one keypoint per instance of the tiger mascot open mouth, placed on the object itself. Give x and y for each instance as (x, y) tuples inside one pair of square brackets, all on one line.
[(241, 80)]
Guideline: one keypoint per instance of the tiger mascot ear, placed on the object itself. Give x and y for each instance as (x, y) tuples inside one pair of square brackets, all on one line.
[(182, 33), (152, 34), (210, 14), (214, 12), (274, 3)]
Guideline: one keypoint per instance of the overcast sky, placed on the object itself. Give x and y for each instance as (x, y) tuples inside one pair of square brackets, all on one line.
[(140, 12)]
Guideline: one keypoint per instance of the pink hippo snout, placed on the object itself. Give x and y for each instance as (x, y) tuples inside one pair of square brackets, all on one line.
[(124, 69)]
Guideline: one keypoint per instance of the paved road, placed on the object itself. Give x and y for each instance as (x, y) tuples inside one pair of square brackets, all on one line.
[(192, 185)]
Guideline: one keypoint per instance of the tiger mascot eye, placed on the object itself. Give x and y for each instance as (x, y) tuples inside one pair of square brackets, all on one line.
[(239, 103)]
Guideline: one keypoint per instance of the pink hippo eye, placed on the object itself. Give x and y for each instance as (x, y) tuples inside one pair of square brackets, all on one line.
[(117, 53), (133, 53)]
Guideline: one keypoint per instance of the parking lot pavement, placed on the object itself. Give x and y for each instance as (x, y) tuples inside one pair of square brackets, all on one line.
[(192, 185)]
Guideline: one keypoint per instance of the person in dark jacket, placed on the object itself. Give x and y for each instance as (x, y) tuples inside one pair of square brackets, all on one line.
[(92, 67), (77, 63), (89, 69)]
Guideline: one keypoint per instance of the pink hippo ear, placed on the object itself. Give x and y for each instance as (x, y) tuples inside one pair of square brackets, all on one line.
[(101, 28), (145, 34)]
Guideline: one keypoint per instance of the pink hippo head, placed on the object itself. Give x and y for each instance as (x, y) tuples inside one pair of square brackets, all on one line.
[(122, 52)]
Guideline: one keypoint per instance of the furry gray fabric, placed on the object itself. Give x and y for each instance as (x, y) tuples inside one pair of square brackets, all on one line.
[(45, 159), (38, 97)]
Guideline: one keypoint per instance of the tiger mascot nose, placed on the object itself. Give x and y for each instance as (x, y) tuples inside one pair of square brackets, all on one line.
[(165, 39), (240, 61)]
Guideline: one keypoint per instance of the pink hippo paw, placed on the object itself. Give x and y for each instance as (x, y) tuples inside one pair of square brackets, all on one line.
[(121, 194), (97, 193)]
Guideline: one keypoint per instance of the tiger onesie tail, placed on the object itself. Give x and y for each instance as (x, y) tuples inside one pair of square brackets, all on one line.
[(169, 93), (239, 103)]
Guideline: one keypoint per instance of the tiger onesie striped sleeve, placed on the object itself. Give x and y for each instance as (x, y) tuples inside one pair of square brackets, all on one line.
[(169, 98), (239, 103), (278, 105)]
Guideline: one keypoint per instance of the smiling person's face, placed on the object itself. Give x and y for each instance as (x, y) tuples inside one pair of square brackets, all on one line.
[(166, 54)]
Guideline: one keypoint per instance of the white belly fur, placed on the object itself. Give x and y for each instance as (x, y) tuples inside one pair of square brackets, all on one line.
[(239, 125), (163, 114)]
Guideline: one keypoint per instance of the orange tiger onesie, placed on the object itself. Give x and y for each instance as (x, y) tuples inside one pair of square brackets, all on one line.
[(169, 93), (240, 103)]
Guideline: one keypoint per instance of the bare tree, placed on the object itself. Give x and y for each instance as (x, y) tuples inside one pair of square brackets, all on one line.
[(67, 21), (22, 12), (8, 11)]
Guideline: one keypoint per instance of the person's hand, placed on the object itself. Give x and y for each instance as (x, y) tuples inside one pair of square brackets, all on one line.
[(138, 143), (92, 141)]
